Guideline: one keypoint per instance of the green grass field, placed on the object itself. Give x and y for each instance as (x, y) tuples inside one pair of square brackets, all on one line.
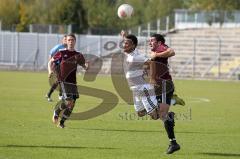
[(207, 127)]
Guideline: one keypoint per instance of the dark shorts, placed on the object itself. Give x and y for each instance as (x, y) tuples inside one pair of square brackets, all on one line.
[(71, 90), (164, 91)]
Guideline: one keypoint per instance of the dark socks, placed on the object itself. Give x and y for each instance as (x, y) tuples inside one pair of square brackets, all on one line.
[(169, 127), (61, 107), (62, 120), (54, 86)]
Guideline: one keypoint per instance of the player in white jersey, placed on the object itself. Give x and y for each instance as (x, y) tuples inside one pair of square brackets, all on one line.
[(143, 92)]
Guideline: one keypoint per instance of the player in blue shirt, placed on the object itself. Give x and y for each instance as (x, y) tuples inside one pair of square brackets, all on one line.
[(58, 47), (52, 52)]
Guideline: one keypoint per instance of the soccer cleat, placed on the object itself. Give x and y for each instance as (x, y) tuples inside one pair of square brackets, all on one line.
[(178, 100), (48, 98), (60, 97), (172, 148), (55, 118), (61, 125)]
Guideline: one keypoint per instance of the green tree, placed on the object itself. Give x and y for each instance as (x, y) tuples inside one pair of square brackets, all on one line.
[(83, 14), (68, 12), (100, 14), (161, 8), (151, 10), (39, 11), (210, 5), (23, 17), (9, 13)]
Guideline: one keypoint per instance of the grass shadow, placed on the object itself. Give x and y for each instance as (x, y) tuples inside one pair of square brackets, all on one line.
[(118, 130), (220, 154), (56, 147), (148, 131)]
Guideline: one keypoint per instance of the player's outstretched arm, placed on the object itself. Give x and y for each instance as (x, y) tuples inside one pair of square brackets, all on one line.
[(168, 53)]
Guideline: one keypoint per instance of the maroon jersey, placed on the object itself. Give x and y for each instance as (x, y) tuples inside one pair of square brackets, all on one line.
[(162, 70), (68, 61)]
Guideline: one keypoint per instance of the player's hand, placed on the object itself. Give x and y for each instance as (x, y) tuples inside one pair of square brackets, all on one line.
[(50, 74), (123, 33), (153, 55), (86, 66)]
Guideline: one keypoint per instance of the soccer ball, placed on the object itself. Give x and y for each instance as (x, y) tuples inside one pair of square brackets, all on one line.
[(125, 11)]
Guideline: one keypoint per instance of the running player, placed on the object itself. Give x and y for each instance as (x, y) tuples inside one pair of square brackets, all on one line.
[(67, 61), (164, 86)]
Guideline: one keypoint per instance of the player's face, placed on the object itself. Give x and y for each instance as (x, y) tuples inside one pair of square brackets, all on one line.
[(70, 43), (153, 43), (128, 46), (64, 41)]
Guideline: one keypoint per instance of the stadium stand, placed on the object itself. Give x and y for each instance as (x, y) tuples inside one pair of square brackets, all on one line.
[(200, 51)]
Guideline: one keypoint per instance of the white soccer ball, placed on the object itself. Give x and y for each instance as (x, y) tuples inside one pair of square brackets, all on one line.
[(125, 11)]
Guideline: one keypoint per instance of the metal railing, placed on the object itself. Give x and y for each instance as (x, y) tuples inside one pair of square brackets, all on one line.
[(195, 57)]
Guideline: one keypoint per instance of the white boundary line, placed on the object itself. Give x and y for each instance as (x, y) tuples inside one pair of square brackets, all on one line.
[(198, 100)]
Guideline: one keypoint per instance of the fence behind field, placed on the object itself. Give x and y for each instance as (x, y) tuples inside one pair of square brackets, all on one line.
[(212, 57)]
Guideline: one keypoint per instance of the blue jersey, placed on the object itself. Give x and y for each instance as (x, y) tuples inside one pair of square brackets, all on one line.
[(56, 48)]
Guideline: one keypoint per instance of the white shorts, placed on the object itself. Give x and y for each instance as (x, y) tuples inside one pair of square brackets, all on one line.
[(144, 98)]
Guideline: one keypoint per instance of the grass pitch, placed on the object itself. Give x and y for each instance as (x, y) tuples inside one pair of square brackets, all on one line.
[(207, 127)]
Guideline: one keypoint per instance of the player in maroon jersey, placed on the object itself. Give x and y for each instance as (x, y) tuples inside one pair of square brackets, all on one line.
[(65, 63), (164, 86)]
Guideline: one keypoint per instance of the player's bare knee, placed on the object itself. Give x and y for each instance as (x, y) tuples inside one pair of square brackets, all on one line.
[(142, 113), (163, 111), (162, 115)]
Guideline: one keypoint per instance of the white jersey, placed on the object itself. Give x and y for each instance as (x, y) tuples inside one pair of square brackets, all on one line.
[(143, 93), (134, 72)]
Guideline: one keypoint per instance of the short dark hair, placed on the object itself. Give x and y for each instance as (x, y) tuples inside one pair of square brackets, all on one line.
[(159, 37), (72, 35), (133, 38)]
